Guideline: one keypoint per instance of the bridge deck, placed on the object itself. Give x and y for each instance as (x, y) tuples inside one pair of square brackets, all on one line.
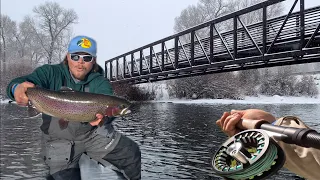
[(290, 39)]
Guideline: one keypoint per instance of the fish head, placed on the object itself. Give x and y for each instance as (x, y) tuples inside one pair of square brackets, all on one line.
[(117, 110)]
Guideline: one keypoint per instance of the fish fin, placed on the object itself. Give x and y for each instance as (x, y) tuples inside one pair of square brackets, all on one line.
[(32, 111), (63, 124), (65, 88)]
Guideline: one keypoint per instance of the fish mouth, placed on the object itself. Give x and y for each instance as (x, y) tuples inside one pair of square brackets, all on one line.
[(125, 111)]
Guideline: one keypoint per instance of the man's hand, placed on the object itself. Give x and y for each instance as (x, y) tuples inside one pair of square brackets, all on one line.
[(20, 93), (110, 112), (98, 121), (228, 121)]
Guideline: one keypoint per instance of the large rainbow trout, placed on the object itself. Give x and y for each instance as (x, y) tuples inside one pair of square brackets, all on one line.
[(76, 106)]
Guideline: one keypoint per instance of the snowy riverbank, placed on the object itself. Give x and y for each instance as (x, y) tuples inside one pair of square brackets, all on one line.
[(248, 100)]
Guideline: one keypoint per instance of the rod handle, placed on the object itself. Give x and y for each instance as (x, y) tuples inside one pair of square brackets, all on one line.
[(250, 124)]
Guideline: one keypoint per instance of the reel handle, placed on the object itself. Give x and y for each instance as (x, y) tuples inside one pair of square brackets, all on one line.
[(245, 124)]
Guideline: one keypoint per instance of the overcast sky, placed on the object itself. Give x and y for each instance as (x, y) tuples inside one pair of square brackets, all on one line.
[(118, 25)]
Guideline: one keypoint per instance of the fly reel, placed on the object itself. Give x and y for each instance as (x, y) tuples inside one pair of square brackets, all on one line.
[(250, 154)]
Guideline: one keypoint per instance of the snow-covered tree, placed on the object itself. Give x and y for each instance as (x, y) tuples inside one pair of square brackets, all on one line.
[(306, 86)]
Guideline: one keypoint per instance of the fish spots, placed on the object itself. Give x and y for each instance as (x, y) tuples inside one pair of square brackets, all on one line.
[(75, 105)]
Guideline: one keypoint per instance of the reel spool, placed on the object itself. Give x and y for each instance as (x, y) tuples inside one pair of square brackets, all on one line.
[(250, 154)]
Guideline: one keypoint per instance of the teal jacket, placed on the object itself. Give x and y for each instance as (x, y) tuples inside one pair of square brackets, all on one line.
[(52, 77)]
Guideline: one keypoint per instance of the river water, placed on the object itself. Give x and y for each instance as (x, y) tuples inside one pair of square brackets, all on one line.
[(177, 141)]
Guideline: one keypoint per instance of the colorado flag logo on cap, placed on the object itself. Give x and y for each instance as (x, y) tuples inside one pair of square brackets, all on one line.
[(84, 43)]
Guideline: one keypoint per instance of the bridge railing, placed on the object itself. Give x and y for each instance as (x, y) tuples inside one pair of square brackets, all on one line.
[(205, 49)]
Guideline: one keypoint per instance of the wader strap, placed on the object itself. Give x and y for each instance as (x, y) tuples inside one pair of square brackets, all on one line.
[(64, 82), (45, 123), (86, 88)]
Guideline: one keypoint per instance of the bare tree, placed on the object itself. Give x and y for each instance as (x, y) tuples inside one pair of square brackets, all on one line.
[(207, 10), (194, 15), (199, 87), (36, 40), (62, 43), (215, 86), (8, 29), (8, 47), (27, 42), (254, 16), (53, 24), (248, 79), (306, 86)]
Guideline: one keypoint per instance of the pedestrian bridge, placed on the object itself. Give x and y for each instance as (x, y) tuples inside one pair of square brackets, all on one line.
[(290, 39)]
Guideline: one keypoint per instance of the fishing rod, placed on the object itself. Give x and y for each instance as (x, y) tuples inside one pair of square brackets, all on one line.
[(253, 154)]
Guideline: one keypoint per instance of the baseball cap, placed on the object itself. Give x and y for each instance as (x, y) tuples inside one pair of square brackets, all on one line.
[(83, 44)]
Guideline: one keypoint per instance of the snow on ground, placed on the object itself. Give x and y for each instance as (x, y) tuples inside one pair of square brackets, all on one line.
[(3, 99), (317, 80), (248, 100), (162, 96)]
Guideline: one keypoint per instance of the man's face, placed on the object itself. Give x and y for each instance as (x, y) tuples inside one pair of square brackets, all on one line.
[(80, 66)]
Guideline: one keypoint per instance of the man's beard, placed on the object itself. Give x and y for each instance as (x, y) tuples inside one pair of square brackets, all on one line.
[(80, 75)]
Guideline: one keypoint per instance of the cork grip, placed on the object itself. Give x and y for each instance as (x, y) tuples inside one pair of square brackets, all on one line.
[(250, 124)]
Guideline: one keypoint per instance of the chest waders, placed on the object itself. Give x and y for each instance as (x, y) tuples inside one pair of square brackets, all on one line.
[(63, 148)]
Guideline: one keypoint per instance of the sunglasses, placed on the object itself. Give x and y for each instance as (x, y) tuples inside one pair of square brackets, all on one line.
[(86, 58)]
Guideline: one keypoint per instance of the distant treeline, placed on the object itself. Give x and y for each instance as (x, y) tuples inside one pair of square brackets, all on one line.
[(246, 83), (231, 85)]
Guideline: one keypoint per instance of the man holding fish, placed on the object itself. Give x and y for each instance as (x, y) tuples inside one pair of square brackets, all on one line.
[(77, 109)]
